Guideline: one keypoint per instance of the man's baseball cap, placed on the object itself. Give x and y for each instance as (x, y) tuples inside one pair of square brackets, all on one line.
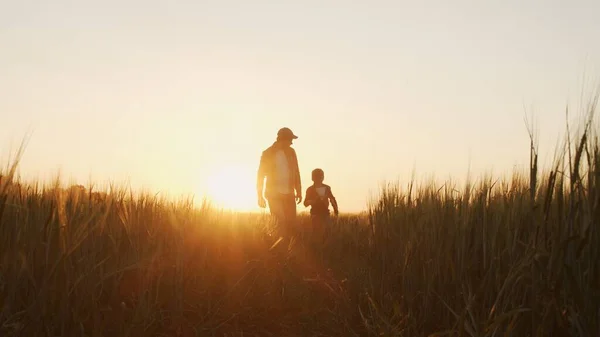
[(286, 133)]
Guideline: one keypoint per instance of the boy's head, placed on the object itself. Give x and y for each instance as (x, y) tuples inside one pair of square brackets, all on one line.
[(318, 175)]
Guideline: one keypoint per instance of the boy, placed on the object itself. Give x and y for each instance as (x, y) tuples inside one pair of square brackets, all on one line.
[(318, 196)]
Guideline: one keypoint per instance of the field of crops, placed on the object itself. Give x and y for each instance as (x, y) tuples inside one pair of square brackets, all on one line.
[(501, 256)]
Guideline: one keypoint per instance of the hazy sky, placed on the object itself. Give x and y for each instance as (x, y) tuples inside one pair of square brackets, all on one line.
[(166, 94)]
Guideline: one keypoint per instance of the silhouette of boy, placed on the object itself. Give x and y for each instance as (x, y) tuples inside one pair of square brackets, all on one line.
[(318, 196)]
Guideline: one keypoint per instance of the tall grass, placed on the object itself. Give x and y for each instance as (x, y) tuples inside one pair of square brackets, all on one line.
[(516, 256)]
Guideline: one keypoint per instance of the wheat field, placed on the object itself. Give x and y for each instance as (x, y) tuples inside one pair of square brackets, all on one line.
[(501, 256)]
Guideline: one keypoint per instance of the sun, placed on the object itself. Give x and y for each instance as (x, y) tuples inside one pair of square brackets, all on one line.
[(233, 187)]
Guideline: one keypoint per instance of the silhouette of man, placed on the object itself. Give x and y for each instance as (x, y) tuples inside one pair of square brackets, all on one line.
[(279, 165)]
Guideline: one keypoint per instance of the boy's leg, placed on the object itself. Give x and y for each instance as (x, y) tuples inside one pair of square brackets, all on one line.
[(316, 227), (326, 228), (319, 225)]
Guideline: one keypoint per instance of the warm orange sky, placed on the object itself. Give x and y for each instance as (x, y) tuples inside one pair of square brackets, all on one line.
[(171, 95)]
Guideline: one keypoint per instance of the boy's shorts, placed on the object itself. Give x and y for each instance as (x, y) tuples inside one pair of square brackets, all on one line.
[(320, 219)]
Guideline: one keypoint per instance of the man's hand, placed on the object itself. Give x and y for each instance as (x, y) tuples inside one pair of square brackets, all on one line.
[(298, 198), (261, 202)]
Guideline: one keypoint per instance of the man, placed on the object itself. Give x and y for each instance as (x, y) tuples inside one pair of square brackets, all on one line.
[(279, 165)]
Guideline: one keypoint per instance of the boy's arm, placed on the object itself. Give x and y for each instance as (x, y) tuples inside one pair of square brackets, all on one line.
[(308, 197), (333, 201)]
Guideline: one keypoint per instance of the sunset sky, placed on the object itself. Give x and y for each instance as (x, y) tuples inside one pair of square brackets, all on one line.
[(180, 96)]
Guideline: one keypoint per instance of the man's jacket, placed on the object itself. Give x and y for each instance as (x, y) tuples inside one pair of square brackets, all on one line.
[(268, 169)]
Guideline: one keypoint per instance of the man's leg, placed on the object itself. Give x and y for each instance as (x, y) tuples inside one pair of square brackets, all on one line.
[(290, 209), (283, 207), (289, 226), (276, 208)]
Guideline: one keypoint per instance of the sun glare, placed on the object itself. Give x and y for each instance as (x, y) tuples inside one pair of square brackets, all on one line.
[(233, 187)]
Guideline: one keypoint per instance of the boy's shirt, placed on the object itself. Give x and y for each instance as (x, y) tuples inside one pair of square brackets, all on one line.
[(320, 197)]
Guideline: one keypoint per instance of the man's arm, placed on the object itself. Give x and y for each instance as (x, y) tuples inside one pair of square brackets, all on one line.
[(297, 182), (260, 176)]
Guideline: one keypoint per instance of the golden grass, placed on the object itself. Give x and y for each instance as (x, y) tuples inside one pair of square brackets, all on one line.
[(512, 257)]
